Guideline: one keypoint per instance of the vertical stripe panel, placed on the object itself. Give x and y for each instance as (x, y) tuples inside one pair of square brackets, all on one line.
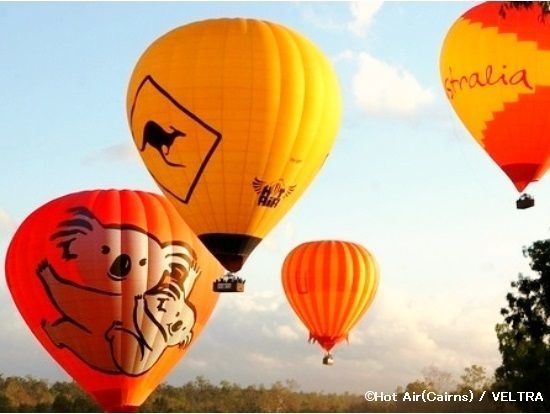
[(348, 285), (342, 278)]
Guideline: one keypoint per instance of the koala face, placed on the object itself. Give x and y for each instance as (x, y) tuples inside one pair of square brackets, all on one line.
[(117, 259), (166, 306), (108, 258)]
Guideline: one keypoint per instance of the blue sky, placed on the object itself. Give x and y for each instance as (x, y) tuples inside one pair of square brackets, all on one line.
[(404, 179)]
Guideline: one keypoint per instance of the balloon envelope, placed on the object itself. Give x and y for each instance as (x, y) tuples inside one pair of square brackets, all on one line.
[(233, 119), (116, 288), (494, 66), (330, 284)]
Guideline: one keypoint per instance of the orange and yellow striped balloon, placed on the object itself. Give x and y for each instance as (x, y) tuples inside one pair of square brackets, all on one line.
[(233, 118), (495, 68), (330, 284)]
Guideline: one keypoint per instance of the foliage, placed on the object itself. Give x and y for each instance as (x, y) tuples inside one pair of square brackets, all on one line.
[(543, 5), (475, 378), (32, 395), (438, 380), (524, 336)]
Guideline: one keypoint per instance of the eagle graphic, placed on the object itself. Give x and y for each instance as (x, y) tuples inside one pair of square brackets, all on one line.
[(276, 188)]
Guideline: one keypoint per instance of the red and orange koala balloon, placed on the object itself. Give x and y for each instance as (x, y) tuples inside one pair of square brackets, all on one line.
[(115, 286)]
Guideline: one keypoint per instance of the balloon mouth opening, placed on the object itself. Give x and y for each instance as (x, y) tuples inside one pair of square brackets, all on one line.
[(327, 342), (232, 262), (521, 174), (231, 250)]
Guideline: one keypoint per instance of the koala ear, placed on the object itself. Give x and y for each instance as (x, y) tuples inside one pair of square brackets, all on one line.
[(82, 223), (179, 254), (184, 258)]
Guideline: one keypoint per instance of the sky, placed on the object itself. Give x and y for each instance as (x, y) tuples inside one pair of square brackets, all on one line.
[(404, 179)]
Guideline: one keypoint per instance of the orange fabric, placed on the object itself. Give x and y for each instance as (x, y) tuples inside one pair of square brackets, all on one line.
[(330, 284), (115, 286)]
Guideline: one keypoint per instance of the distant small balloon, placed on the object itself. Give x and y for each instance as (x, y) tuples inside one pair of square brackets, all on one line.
[(330, 284)]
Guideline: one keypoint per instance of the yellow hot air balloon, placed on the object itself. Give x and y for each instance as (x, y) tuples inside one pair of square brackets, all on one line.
[(494, 66), (233, 118)]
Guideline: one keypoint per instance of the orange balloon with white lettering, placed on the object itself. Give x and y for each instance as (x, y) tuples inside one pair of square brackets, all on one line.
[(115, 286), (494, 66)]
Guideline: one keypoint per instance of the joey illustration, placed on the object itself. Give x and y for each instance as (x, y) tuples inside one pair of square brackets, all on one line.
[(129, 299)]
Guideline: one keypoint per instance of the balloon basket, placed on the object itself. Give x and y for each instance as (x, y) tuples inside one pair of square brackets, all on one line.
[(525, 201), (228, 283), (328, 359)]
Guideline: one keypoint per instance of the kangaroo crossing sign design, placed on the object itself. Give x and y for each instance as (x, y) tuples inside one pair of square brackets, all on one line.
[(176, 142)]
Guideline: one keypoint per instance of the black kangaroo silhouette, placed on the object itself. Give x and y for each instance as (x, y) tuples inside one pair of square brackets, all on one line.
[(157, 137)]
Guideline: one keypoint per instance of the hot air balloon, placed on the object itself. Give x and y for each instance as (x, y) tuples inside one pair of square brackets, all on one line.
[(494, 66), (115, 287), (330, 284), (233, 118)]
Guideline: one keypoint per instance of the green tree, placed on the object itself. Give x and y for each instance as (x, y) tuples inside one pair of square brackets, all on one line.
[(438, 380), (474, 379), (544, 7), (524, 336)]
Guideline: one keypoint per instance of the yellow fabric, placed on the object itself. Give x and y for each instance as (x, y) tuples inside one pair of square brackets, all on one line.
[(260, 106)]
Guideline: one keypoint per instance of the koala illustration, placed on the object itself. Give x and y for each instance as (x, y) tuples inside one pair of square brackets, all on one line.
[(167, 319), (129, 301), (166, 307)]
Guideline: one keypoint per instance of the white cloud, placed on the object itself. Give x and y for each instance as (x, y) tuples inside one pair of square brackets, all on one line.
[(22, 354), (119, 152), (345, 56), (7, 223), (284, 333), (198, 363), (408, 335), (260, 302), (280, 238), (362, 13), (264, 361), (382, 89), (323, 17), (319, 15), (287, 333)]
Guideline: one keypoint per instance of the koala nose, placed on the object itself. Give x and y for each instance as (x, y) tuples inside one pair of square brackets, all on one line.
[(176, 326), (121, 266)]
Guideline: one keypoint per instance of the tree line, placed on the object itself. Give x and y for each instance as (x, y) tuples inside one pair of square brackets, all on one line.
[(28, 394)]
